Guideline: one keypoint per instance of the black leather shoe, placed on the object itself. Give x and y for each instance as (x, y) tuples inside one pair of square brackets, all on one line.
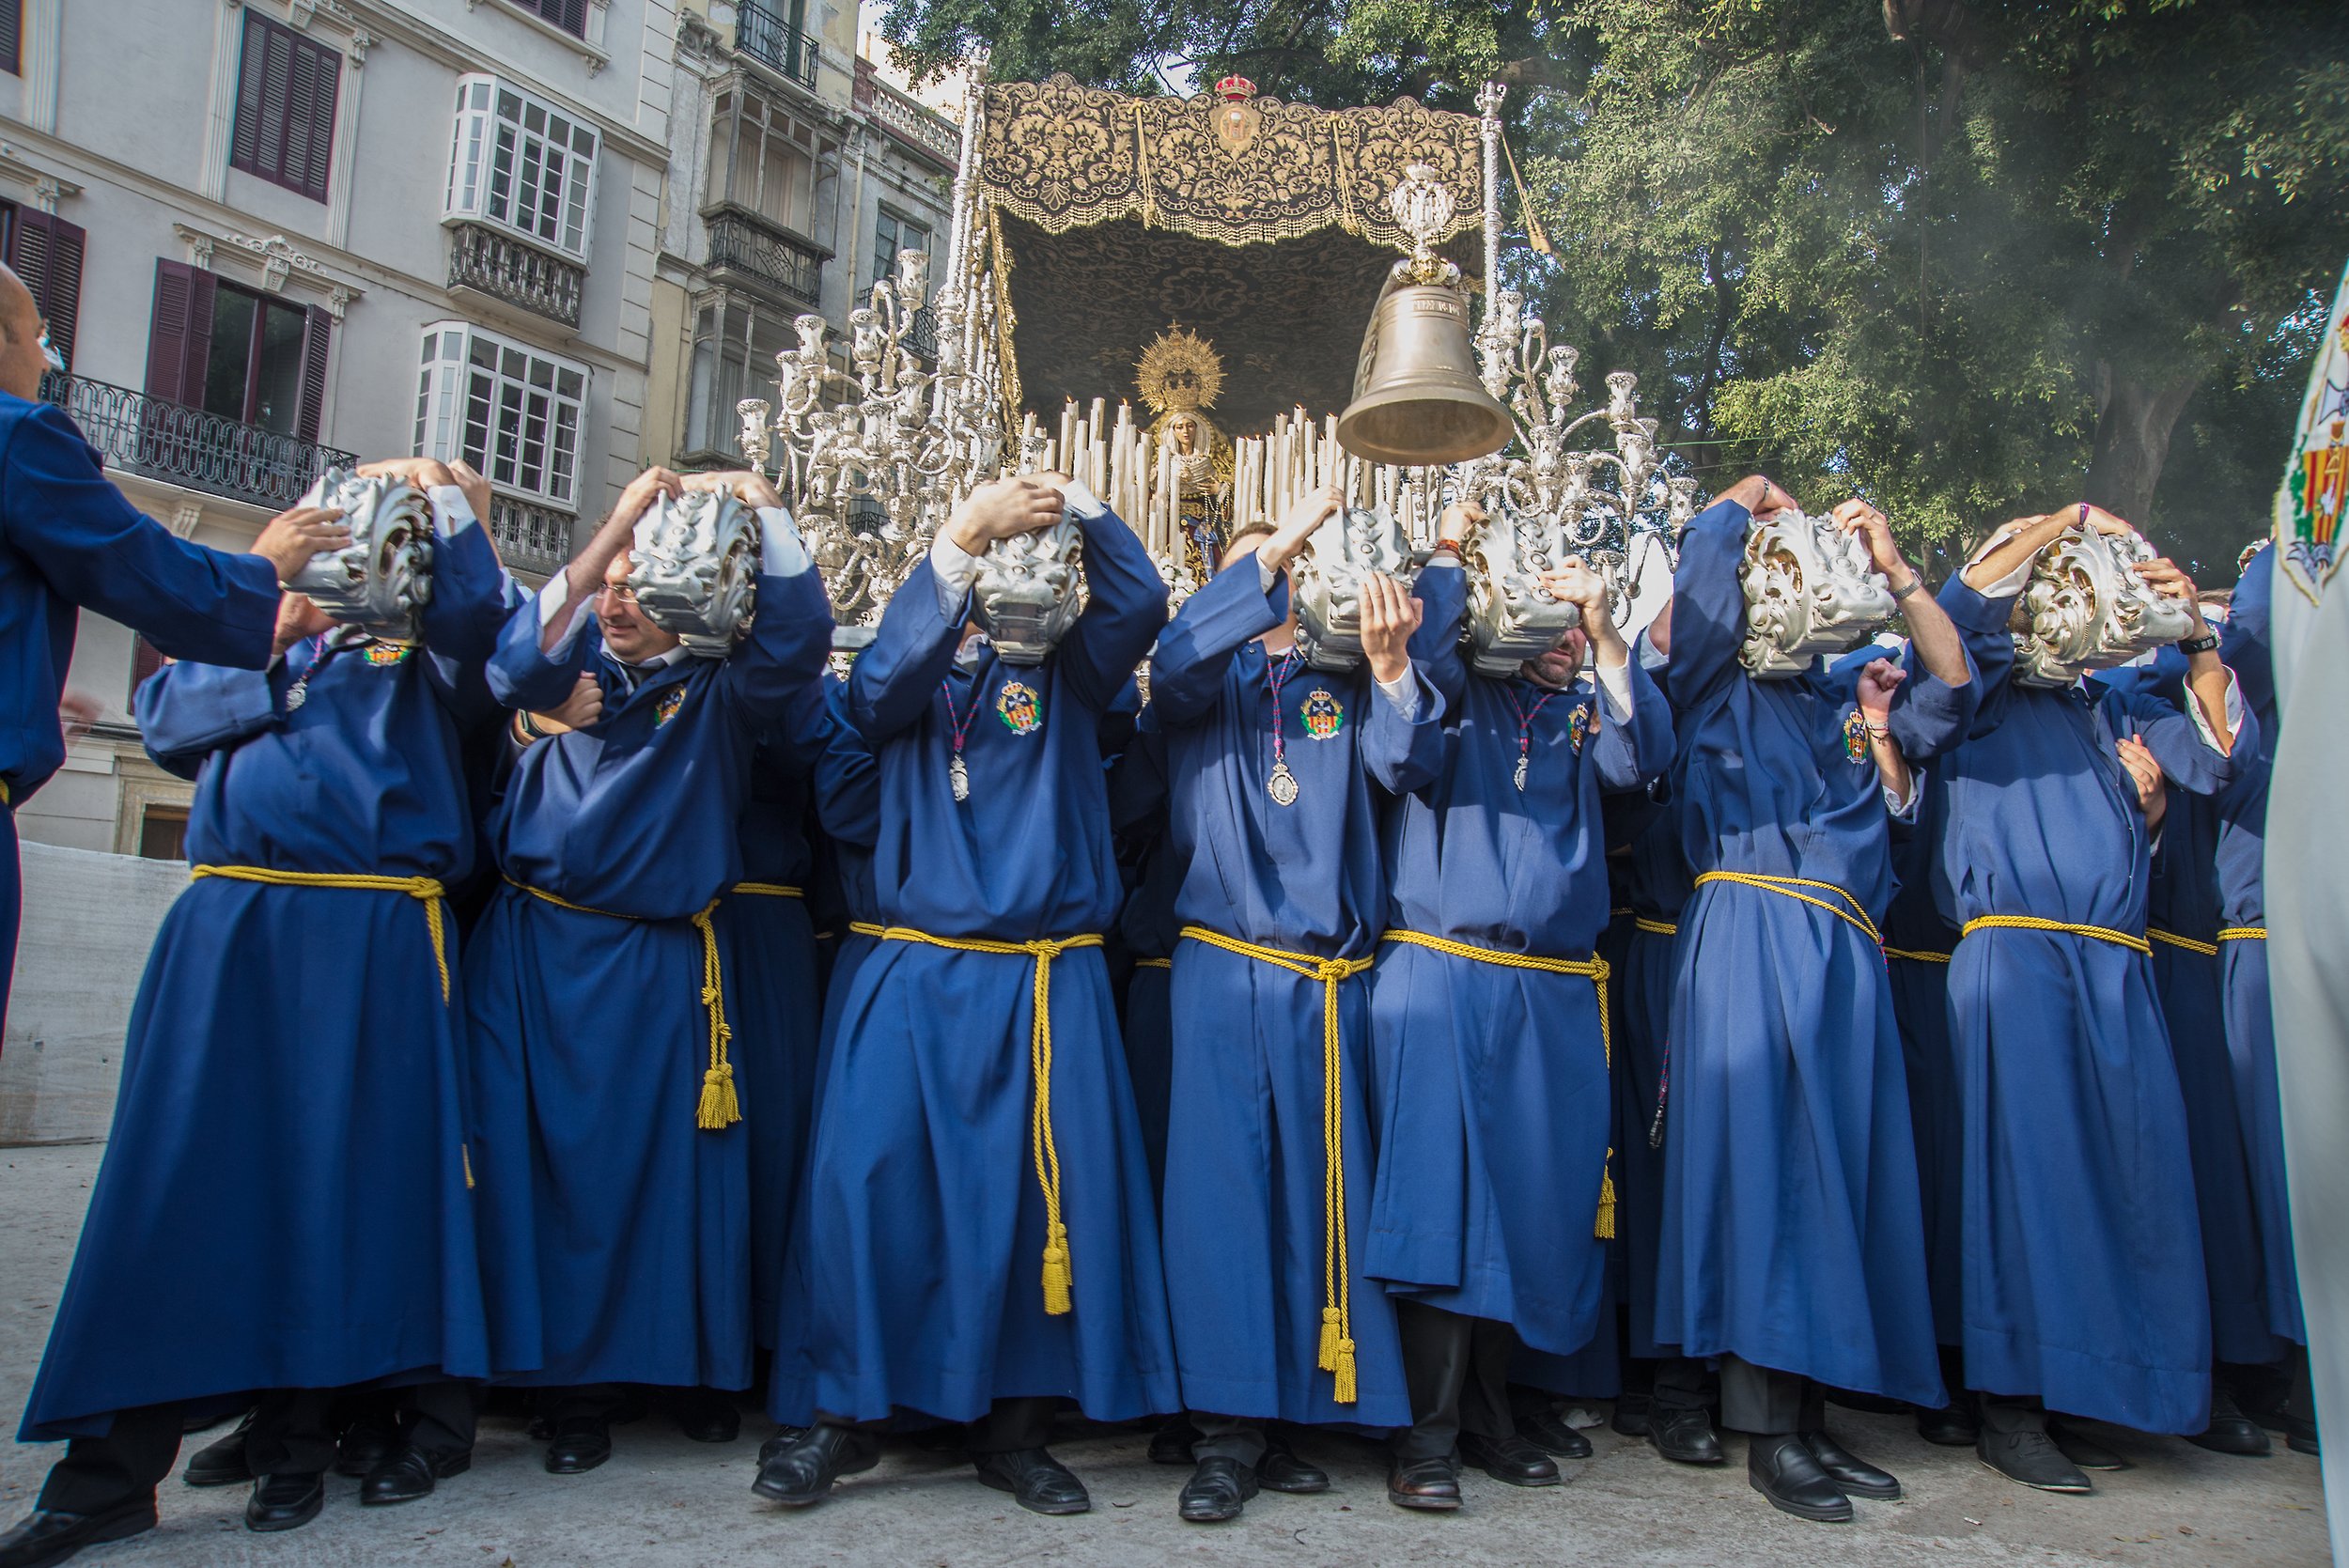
[(1281, 1470), (365, 1444), (1548, 1430), (804, 1470), (1171, 1444), (1853, 1477), (2080, 1449), (1216, 1491), (1955, 1426), (1037, 1481), (2029, 1458), (2304, 1440), (783, 1437), (409, 1474), (46, 1536), (1511, 1459), (1429, 1484), (283, 1501), (1686, 1437), (2231, 1430), (1783, 1469), (579, 1445), (1632, 1413), (221, 1463), (707, 1415)]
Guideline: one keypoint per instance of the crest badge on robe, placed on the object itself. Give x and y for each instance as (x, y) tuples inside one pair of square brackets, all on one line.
[(667, 708), (1322, 715), (387, 655), (1581, 726), (1855, 735), (2316, 483), (1020, 709)]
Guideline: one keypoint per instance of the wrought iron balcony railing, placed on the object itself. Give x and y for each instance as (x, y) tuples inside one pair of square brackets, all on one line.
[(504, 268), (530, 537), (922, 332), (181, 446), (774, 42), (747, 245)]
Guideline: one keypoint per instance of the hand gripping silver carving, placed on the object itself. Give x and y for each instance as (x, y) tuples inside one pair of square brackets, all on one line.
[(383, 577), (695, 569), (1027, 590), (1810, 589), (2086, 608), (1511, 616), (1340, 557)]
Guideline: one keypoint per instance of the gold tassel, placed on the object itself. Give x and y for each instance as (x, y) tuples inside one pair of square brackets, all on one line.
[(466, 1154), (1605, 1229), (1344, 1391), (1328, 1360), (1057, 1272), (720, 1107)]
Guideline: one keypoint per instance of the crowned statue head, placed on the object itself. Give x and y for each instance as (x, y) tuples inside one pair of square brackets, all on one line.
[(1180, 375)]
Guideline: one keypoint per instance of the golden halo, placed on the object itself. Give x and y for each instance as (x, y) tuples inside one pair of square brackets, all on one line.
[(1179, 371)]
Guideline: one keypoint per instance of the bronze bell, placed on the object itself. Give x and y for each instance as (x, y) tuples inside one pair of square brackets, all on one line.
[(1417, 396)]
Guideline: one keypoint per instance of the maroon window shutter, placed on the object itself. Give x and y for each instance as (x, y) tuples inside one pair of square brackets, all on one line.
[(314, 345), (287, 88), (180, 340), (46, 253), (11, 32), (244, 146), (146, 659), (310, 128)]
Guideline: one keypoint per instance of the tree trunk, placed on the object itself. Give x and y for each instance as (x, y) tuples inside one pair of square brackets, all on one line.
[(2134, 422)]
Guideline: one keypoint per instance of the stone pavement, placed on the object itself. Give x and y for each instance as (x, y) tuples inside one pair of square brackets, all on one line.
[(664, 1502)]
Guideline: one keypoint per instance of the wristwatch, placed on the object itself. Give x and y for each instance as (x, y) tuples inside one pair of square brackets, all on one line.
[(1915, 582), (2204, 644)]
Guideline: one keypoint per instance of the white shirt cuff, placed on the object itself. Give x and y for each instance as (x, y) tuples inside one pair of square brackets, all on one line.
[(452, 514), (955, 569), (1905, 811), (2012, 583), (1403, 692), (1266, 576), (1616, 685), (552, 599), (781, 552), (1082, 501), (2234, 711)]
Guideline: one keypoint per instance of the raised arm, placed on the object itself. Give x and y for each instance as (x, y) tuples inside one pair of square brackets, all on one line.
[(1443, 590), (1708, 609), (847, 780), (1126, 606), (1249, 598)]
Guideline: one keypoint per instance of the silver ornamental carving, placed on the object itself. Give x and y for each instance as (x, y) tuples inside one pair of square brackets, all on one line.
[(1810, 589), (383, 577), (2085, 608), (695, 568), (1511, 616), (1339, 560), (1027, 590)]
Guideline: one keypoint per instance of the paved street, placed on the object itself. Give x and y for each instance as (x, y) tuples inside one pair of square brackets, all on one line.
[(662, 1500)]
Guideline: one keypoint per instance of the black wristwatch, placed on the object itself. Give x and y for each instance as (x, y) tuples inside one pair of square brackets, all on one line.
[(1916, 581), (2204, 644)]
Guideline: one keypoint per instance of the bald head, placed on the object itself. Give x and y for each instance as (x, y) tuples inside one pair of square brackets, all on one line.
[(21, 360)]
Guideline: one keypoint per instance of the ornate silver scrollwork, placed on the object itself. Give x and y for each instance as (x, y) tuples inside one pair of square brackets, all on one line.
[(1810, 589), (2085, 608), (695, 569), (1511, 616), (1027, 590), (383, 577), (1342, 555)]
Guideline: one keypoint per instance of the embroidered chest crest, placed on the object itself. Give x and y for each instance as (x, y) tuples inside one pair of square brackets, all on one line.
[(1580, 726), (388, 654), (1018, 706), (666, 708), (1855, 735), (1323, 718)]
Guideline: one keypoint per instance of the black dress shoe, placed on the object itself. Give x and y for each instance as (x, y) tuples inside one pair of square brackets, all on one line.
[(707, 1415), (1430, 1484), (1511, 1459), (1548, 1430), (1782, 1469), (409, 1474), (784, 1438), (1955, 1426), (221, 1463), (1853, 1477), (804, 1470), (1685, 1435), (283, 1501), (1281, 1470), (2080, 1449), (1216, 1491), (1037, 1481), (2029, 1458), (2231, 1430), (1171, 1444), (46, 1536), (1631, 1415), (365, 1444), (579, 1445), (2304, 1440)]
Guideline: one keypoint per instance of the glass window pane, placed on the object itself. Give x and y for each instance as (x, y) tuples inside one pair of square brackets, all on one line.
[(568, 384), (277, 370), (226, 371)]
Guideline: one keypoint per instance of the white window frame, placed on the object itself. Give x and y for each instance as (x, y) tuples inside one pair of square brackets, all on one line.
[(540, 419), (486, 131)]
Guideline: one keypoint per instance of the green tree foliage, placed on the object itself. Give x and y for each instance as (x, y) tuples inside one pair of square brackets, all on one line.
[(1963, 256)]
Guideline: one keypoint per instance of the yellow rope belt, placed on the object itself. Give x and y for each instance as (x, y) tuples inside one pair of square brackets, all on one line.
[(423, 889), (768, 890), (1057, 1266), (2243, 934), (1917, 955), (720, 1107), (1655, 927), (1597, 972), (1154, 963), (2171, 939), (867, 928), (1849, 910), (5, 798), (2032, 923), (1337, 1311)]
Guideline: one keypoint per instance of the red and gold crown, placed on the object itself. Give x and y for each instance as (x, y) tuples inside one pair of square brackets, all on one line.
[(1237, 88)]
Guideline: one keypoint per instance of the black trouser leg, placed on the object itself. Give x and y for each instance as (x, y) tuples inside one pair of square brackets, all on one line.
[(1485, 1398), (1682, 1383), (1011, 1425), (99, 1475), (439, 1417), (1764, 1401), (1438, 1349), (293, 1433), (1239, 1438)]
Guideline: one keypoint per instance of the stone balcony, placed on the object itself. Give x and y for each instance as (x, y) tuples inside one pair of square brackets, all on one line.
[(492, 263)]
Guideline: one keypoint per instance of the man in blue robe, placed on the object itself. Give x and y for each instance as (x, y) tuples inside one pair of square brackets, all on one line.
[(1791, 1244), (1492, 1205), (68, 540), (2084, 1289), (284, 1210), (981, 1244), (1269, 1142), (615, 1172)]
